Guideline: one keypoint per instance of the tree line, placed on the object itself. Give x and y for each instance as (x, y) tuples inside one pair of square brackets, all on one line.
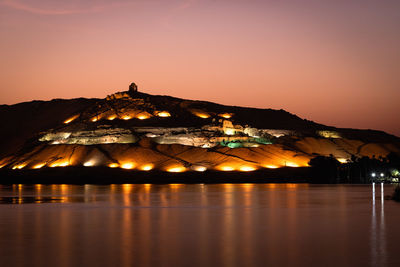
[(327, 169)]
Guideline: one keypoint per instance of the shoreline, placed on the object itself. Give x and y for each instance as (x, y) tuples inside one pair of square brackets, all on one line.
[(105, 175)]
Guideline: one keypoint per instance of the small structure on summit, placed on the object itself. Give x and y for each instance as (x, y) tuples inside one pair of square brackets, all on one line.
[(131, 93), (133, 89)]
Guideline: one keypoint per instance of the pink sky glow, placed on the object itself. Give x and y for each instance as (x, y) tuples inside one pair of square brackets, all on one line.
[(333, 62)]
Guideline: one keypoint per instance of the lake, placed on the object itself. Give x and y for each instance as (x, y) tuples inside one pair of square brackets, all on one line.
[(198, 225)]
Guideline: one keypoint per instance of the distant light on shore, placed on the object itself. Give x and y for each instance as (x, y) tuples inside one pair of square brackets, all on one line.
[(247, 168), (128, 166), (113, 165), (176, 169), (227, 168), (164, 114), (38, 166), (89, 163), (147, 167)]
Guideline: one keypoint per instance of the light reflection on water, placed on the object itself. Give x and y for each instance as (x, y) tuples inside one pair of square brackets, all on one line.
[(197, 225)]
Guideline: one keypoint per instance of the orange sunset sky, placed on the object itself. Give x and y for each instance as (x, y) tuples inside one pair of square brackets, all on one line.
[(333, 62)]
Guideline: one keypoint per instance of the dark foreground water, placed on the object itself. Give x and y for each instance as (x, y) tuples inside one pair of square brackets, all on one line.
[(198, 225)]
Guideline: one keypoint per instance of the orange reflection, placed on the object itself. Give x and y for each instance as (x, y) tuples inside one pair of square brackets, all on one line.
[(247, 187), (38, 189), (271, 186), (64, 189), (147, 187), (175, 186), (113, 188), (228, 187), (127, 188)]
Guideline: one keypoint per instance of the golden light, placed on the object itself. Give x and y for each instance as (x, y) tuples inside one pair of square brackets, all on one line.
[(20, 166), (147, 186), (247, 169), (271, 186), (229, 131), (228, 187), (291, 164), (38, 187), (227, 168), (143, 117), (126, 117), (342, 160), (112, 117), (199, 168), (88, 163), (329, 134), (247, 187), (147, 167), (128, 166), (59, 164), (71, 119), (94, 119), (164, 114), (176, 169), (113, 165), (202, 115), (226, 115), (127, 188), (175, 186), (64, 189), (38, 166), (271, 167)]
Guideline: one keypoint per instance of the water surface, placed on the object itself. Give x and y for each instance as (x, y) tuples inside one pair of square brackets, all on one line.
[(198, 225)]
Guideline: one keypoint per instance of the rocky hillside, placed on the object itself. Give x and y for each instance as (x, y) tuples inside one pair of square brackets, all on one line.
[(134, 130)]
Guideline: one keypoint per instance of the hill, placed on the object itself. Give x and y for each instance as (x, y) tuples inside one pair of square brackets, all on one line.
[(143, 132)]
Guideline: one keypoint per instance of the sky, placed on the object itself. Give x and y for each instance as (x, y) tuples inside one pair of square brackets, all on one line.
[(333, 62)]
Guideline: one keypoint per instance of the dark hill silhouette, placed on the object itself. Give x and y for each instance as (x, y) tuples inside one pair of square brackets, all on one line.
[(135, 130)]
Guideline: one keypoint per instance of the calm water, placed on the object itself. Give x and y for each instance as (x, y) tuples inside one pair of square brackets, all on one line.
[(198, 225)]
